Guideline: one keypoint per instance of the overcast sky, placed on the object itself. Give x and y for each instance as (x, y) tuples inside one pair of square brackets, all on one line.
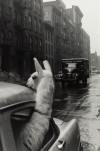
[(90, 21)]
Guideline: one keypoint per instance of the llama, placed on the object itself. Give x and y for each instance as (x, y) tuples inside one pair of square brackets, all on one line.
[(35, 130)]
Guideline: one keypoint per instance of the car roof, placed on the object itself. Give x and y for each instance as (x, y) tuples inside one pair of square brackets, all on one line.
[(11, 94)]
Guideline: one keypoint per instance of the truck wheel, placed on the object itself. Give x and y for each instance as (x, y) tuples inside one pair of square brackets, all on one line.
[(77, 82), (84, 81), (63, 84), (81, 147)]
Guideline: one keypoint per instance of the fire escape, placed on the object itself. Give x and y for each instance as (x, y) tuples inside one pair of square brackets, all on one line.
[(58, 45), (21, 29), (20, 21), (4, 20), (5, 43)]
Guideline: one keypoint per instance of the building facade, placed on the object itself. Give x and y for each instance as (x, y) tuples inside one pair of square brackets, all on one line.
[(31, 28), (94, 62), (69, 37), (49, 44), (55, 15), (85, 44), (21, 34), (75, 15)]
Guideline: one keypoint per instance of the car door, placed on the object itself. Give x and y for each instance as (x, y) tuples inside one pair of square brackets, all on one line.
[(17, 117), (69, 138)]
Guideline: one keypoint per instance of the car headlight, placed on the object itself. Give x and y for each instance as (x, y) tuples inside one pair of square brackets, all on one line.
[(75, 74)]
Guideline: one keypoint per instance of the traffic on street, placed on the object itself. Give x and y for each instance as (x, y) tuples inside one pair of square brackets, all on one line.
[(81, 102)]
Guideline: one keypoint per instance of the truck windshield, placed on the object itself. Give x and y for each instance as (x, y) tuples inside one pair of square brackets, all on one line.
[(71, 65)]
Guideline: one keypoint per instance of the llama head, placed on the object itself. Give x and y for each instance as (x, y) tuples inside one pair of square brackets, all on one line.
[(37, 76)]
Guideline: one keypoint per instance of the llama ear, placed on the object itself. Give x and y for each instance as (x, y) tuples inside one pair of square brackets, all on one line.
[(38, 67), (47, 65)]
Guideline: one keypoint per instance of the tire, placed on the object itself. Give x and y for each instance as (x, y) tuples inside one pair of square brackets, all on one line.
[(77, 82), (84, 81), (63, 84), (81, 147)]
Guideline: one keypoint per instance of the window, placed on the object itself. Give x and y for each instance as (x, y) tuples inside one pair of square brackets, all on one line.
[(40, 43), (46, 48), (51, 37), (30, 22), (10, 35), (26, 41), (39, 6), (49, 50), (45, 34), (9, 11), (40, 26), (34, 5), (16, 16), (36, 43), (35, 24), (30, 43), (48, 36), (25, 21), (17, 41), (29, 3)]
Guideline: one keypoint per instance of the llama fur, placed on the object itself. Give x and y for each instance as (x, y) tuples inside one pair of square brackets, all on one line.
[(35, 130)]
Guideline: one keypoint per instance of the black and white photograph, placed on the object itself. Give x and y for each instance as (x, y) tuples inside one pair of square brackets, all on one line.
[(49, 75)]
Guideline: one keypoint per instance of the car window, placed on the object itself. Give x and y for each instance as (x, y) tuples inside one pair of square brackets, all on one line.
[(18, 122), (51, 136), (48, 136)]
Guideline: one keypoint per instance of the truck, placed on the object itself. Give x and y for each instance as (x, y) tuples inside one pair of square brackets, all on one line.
[(75, 70)]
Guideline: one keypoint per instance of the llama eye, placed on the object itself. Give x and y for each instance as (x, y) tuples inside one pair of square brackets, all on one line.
[(34, 77)]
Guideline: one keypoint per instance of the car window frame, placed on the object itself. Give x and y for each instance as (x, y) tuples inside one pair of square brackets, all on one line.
[(7, 114), (5, 140), (56, 133)]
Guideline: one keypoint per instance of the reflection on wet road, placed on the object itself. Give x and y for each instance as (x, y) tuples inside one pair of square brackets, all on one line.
[(83, 103)]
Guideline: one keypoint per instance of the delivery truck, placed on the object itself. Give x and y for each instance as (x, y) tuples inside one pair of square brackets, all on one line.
[(75, 70)]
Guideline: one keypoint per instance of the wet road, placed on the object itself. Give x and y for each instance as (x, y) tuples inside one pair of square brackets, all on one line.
[(83, 103)]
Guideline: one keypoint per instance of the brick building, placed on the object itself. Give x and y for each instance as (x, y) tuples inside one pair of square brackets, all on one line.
[(55, 15), (75, 16), (70, 39), (94, 62), (49, 44), (85, 44), (25, 34), (21, 34), (68, 34)]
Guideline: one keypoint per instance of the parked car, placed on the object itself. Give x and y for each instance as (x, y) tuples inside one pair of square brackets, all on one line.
[(16, 106), (58, 76)]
